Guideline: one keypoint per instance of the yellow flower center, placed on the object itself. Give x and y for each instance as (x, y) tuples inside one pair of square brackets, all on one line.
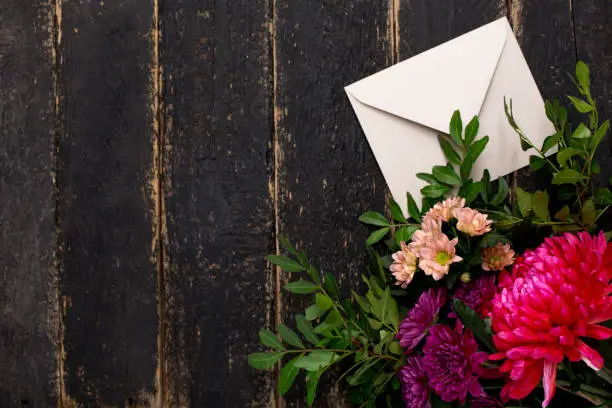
[(442, 258)]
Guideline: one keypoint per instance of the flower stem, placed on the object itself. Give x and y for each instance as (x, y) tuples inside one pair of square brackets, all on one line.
[(605, 374)]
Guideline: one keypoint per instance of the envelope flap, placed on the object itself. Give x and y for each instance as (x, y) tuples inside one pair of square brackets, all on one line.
[(429, 87)]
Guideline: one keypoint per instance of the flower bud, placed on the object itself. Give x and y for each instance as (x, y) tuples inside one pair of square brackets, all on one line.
[(466, 277)]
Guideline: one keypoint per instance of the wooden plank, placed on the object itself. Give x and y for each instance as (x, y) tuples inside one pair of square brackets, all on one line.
[(220, 222), (545, 34), (107, 213), (327, 174), (593, 20), (423, 24), (29, 317)]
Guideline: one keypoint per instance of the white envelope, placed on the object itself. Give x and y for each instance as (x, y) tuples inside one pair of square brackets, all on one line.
[(403, 108)]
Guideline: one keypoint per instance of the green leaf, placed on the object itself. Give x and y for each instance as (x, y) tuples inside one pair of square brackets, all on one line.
[(287, 376), (551, 141), (287, 245), (374, 218), (362, 302), (374, 323), (434, 191), (472, 190), (268, 338), (331, 285), (313, 312), (472, 321), (377, 236), (428, 178), (450, 153), (473, 152), (363, 374), (567, 176), (332, 321), (588, 213), (539, 204), (316, 360), (404, 234), (286, 264), (600, 133), (396, 212), (595, 169), (604, 196), (301, 287), (456, 128), (313, 273), (446, 175), (583, 76), (289, 336), (471, 130), (581, 132), (311, 387), (523, 199), (502, 192), (580, 105), (563, 214), (413, 209), (391, 311), (323, 302), (263, 361), (564, 155), (536, 163), (305, 328)]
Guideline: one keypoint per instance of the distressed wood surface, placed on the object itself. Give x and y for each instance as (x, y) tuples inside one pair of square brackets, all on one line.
[(28, 279), (183, 138), (108, 277), (327, 175), (216, 57), (593, 22)]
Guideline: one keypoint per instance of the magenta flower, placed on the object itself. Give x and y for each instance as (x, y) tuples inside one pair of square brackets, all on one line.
[(478, 294), (485, 401), (421, 316), (414, 383), (453, 363), (555, 296)]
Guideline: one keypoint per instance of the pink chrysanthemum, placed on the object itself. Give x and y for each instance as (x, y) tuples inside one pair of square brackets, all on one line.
[(437, 255), (403, 266), (453, 362), (421, 316), (430, 229), (472, 222), (497, 258), (444, 210), (555, 295), (478, 294), (414, 383)]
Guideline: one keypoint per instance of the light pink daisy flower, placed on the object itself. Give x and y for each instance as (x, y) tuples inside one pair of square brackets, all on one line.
[(472, 222), (497, 258), (444, 210), (403, 266), (430, 229), (437, 255)]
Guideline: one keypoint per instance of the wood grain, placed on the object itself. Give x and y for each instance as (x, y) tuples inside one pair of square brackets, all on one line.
[(546, 36), (593, 19), (327, 173), (29, 317), (217, 97), (107, 211)]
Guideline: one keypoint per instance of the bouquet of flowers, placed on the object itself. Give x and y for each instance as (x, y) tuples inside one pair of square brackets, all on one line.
[(481, 297)]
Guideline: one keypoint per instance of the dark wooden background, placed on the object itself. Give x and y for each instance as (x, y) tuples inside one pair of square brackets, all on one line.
[(151, 151)]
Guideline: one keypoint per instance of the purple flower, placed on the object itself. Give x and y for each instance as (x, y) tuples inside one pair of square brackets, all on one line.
[(414, 383), (421, 316), (452, 362), (478, 294), (485, 401)]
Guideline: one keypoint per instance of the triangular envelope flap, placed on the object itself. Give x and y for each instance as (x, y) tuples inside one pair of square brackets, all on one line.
[(429, 87)]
